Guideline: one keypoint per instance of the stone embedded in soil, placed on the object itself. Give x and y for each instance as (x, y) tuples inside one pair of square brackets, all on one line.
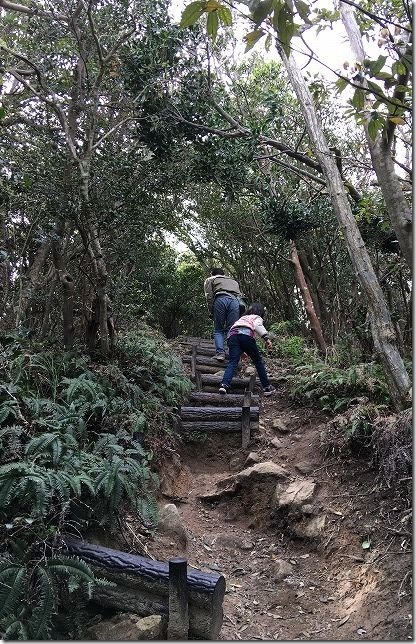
[(279, 569), (296, 494), (170, 523), (252, 458), (276, 442), (310, 529), (265, 469), (307, 509), (260, 472), (280, 426), (125, 627), (304, 467), (232, 542)]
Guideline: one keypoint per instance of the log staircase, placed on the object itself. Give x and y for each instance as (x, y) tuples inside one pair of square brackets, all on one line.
[(238, 411)]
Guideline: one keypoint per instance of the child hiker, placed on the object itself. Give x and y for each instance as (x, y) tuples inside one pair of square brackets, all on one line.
[(241, 339)]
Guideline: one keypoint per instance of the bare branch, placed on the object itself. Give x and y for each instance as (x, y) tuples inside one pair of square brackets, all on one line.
[(35, 11)]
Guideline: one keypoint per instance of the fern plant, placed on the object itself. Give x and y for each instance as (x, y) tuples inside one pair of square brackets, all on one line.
[(30, 594)]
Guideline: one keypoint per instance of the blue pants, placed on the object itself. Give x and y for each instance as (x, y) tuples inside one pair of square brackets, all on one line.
[(226, 311), (237, 345)]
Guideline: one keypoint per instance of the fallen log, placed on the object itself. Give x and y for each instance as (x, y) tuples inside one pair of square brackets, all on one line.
[(216, 413), (207, 398), (214, 426), (142, 587)]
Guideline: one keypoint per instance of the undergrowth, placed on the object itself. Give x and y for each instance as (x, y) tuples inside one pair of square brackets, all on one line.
[(356, 391), (77, 442)]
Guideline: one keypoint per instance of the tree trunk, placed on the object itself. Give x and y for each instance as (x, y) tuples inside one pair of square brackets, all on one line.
[(307, 300), (397, 206), (30, 281), (381, 325), (67, 283)]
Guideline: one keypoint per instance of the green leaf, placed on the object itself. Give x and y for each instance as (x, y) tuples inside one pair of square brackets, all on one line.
[(375, 88), (383, 75), (285, 28), (191, 14), (261, 11), (212, 24), (398, 68), (376, 66), (303, 10), (225, 16), (358, 99), (341, 84), (373, 128), (252, 37)]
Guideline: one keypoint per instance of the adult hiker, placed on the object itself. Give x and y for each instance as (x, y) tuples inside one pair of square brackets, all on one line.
[(242, 339), (222, 294)]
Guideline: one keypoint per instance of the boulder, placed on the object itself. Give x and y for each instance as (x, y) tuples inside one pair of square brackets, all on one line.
[(125, 627), (304, 467), (296, 494), (170, 523), (252, 458)]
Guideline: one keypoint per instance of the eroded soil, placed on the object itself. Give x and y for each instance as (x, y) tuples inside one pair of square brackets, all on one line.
[(281, 586)]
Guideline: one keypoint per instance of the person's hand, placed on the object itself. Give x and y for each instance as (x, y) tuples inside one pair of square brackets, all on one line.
[(269, 344), (244, 356)]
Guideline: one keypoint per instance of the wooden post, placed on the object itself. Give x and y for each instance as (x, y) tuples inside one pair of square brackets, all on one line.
[(193, 361), (198, 380), (252, 383), (245, 420), (178, 624)]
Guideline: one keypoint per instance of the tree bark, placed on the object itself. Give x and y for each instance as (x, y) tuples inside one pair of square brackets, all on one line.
[(380, 320), (397, 206), (30, 281), (307, 300)]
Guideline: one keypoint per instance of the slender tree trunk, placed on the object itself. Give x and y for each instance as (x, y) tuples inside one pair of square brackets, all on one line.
[(67, 283), (307, 299), (44, 329), (380, 320), (381, 157), (30, 281)]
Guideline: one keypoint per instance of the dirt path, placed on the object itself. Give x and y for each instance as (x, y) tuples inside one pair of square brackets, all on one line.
[(281, 586)]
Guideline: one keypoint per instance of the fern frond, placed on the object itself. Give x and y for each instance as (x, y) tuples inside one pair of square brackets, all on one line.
[(12, 577), (40, 621)]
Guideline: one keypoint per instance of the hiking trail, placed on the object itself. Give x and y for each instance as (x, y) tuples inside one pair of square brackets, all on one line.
[(285, 521)]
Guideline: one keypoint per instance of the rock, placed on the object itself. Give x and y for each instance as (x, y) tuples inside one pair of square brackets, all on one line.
[(304, 468), (265, 469), (279, 569), (170, 523), (296, 493), (280, 425), (310, 529), (125, 627), (276, 442), (307, 509), (296, 437), (233, 542), (250, 371), (252, 458)]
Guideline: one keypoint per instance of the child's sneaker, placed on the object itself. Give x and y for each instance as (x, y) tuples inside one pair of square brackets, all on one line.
[(223, 389), (220, 356), (269, 391)]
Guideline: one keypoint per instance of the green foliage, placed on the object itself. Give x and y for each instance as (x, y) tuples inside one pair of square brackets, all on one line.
[(290, 220), (75, 440), (336, 389), (30, 593)]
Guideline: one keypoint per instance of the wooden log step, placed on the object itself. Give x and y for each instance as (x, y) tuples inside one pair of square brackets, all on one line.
[(231, 400), (204, 350), (215, 426), (205, 360), (216, 413), (202, 368), (208, 379)]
